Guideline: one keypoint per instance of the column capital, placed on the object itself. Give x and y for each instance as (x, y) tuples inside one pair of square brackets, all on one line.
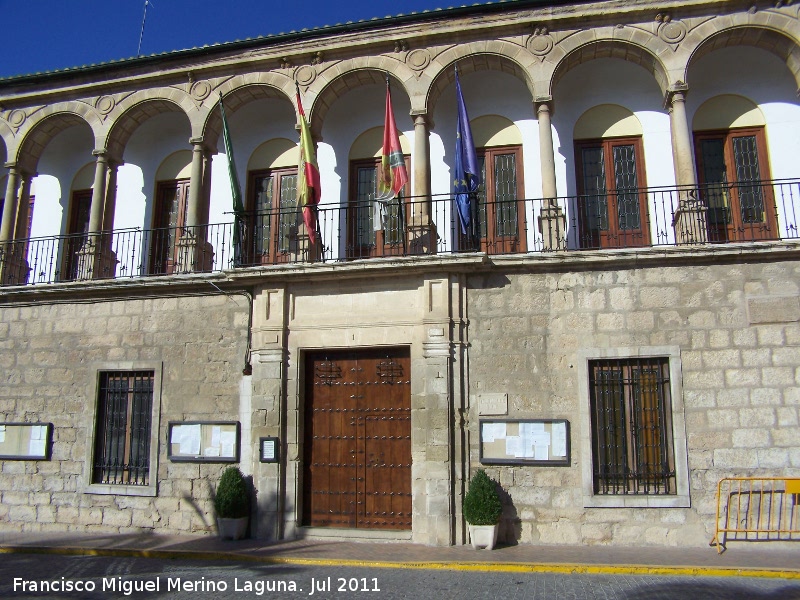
[(198, 141), (11, 165), (421, 117), (101, 154), (677, 90)]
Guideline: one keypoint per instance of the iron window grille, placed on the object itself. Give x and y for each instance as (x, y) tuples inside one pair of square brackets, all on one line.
[(122, 443), (631, 414)]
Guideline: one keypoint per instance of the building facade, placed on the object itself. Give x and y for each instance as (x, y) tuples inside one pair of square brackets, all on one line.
[(618, 330)]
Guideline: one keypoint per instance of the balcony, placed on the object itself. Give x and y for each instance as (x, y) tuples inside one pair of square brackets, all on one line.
[(668, 216)]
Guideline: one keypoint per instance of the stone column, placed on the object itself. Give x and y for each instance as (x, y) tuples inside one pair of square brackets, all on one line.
[(194, 253), (690, 215), (421, 228), (111, 197), (24, 210), (109, 265), (10, 205), (552, 224), (91, 263), (13, 267)]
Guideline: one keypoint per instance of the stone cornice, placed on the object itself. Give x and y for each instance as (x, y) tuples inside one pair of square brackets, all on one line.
[(337, 43), (412, 266)]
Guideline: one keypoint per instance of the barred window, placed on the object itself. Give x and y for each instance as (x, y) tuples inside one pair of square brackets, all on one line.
[(631, 416), (124, 414)]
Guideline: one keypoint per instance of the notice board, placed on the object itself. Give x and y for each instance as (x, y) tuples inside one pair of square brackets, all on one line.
[(25, 441), (203, 441), (542, 442)]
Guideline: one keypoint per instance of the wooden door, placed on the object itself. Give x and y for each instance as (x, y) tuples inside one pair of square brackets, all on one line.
[(169, 218), (734, 184), (357, 441), (77, 228)]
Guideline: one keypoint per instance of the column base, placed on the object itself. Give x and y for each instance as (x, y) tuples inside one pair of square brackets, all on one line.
[(194, 255), (14, 267), (95, 261), (422, 237), (690, 220), (553, 227), (301, 249)]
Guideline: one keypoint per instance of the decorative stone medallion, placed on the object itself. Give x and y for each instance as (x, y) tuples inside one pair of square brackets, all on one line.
[(418, 59), (200, 90), (105, 104), (305, 75), (16, 118), (540, 42), (670, 31)]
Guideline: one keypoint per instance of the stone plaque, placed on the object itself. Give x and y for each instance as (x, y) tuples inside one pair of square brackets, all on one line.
[(492, 404)]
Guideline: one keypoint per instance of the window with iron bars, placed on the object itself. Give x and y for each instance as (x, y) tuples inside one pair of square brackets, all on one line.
[(631, 417), (124, 414)]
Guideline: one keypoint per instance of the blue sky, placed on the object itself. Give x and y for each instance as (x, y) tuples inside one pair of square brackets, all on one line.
[(47, 35)]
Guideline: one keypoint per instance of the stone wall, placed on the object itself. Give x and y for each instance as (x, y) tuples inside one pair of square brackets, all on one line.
[(737, 329), (50, 354)]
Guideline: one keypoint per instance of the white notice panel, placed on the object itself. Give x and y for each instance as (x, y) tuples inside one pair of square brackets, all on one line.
[(543, 442)]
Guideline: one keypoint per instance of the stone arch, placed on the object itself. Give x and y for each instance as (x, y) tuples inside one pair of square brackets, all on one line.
[(7, 139), (138, 108), (237, 94), (43, 130), (494, 55), (708, 38), (584, 47), (334, 82)]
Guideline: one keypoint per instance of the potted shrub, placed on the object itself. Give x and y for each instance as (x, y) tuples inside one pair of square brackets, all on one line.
[(232, 504), (482, 509)]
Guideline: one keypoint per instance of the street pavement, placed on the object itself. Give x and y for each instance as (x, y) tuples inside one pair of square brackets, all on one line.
[(749, 559)]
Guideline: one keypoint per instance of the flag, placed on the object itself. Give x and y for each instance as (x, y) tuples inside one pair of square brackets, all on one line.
[(308, 185), (236, 189), (393, 175), (467, 176)]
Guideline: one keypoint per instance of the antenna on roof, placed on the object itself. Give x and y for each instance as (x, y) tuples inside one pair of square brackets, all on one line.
[(141, 33)]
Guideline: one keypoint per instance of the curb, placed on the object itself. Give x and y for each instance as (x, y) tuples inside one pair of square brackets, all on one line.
[(565, 568)]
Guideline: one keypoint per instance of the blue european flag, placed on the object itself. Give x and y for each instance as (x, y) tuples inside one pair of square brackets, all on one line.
[(467, 176)]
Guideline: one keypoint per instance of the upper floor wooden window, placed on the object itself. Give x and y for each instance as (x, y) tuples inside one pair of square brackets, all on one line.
[(732, 171), (77, 227), (374, 228), (272, 215), (500, 202), (169, 218), (612, 208)]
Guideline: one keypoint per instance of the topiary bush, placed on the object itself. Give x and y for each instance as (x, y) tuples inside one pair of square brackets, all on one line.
[(232, 500), (482, 504)]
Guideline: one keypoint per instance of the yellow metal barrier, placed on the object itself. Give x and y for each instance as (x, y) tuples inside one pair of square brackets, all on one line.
[(757, 509)]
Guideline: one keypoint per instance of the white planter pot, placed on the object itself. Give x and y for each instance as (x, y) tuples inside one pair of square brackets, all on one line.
[(232, 529), (483, 536)]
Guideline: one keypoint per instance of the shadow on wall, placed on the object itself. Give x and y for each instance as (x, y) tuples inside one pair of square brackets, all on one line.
[(510, 531)]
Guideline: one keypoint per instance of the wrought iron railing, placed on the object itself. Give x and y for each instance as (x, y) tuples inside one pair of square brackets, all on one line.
[(656, 216)]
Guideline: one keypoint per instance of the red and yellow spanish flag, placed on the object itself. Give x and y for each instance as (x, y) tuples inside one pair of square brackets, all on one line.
[(393, 175), (308, 185)]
